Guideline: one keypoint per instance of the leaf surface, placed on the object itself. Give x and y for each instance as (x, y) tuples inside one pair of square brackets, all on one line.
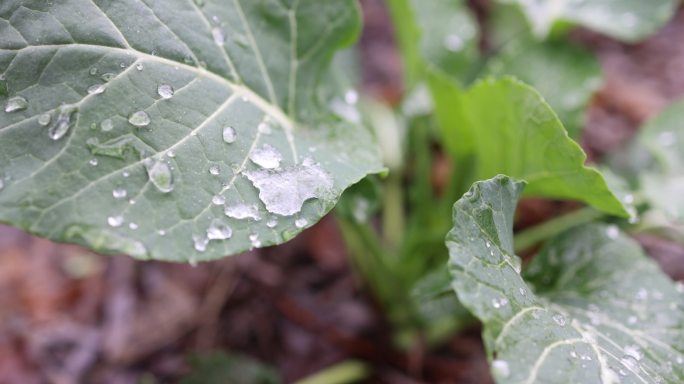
[(628, 20), (591, 309), (509, 129), (173, 130)]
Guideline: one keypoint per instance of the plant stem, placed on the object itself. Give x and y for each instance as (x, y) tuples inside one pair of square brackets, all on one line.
[(538, 233)]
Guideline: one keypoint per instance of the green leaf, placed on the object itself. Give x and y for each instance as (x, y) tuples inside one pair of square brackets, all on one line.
[(594, 307), (131, 126), (509, 128), (628, 20), (566, 75)]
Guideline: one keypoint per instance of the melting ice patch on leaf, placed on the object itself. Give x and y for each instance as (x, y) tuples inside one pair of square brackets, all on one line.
[(600, 311), (283, 192)]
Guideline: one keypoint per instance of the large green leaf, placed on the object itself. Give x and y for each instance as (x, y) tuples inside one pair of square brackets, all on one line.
[(565, 74), (509, 128), (176, 130), (629, 20), (594, 308)]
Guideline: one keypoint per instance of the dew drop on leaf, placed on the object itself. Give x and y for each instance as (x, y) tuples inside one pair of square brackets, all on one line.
[(272, 222), (264, 128), (351, 97), (229, 135), (219, 231), (108, 76), (65, 119), (501, 368), (170, 153), (115, 221), (218, 200), (93, 162), (93, 71), (215, 170), (453, 42), (612, 232), (219, 36), (15, 104), (165, 91), (254, 240), (630, 362), (301, 222), (139, 119), (44, 119), (160, 175), (243, 211), (96, 89), (559, 319), (106, 125), (139, 66), (119, 193), (284, 192), (499, 303), (132, 226), (266, 156), (200, 242)]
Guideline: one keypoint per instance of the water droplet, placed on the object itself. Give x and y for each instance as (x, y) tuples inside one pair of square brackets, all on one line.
[(133, 226), (219, 36), (499, 302), (264, 128), (218, 200), (125, 173), (501, 368), (160, 175), (96, 89), (628, 199), (63, 123), (679, 360), (612, 232), (215, 170), (139, 119), (16, 103), (170, 153), (522, 291), (642, 294), (266, 156), (119, 193), (161, 232), (106, 125), (165, 91), (633, 351), (243, 211), (301, 222), (351, 97), (559, 319), (272, 222), (632, 320), (44, 119), (93, 162), (667, 138), (139, 66), (630, 362), (254, 239), (284, 192), (200, 242), (115, 221), (488, 244), (229, 134), (107, 76), (93, 71), (219, 231), (453, 42)]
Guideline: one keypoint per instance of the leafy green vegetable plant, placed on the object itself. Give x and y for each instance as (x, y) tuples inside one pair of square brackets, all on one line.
[(191, 130)]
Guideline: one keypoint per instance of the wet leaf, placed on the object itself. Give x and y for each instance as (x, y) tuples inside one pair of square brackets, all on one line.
[(185, 108), (591, 309)]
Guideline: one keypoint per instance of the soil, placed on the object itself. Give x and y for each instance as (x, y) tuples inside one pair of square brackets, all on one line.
[(70, 316)]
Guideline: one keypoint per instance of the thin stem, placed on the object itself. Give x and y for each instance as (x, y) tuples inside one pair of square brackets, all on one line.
[(534, 235)]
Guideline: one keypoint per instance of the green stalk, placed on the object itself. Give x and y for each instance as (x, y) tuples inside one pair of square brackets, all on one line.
[(544, 231), (348, 371)]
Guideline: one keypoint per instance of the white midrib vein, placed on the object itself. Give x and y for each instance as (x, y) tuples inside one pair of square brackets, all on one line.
[(267, 107)]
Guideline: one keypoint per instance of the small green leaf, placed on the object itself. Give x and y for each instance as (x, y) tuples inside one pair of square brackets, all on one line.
[(628, 20), (218, 368), (183, 130), (594, 308), (510, 129)]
